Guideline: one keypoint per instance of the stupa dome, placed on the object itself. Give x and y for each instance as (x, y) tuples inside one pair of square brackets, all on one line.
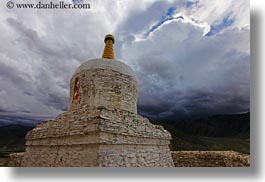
[(105, 83)]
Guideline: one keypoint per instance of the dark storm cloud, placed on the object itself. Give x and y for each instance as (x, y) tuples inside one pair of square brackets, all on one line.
[(181, 73), (194, 76), (38, 82), (39, 53), (196, 104), (13, 118)]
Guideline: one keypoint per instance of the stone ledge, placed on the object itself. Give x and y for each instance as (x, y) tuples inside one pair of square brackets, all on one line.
[(98, 137), (81, 122)]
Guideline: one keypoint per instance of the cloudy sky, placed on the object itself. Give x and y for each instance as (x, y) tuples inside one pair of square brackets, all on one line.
[(191, 57)]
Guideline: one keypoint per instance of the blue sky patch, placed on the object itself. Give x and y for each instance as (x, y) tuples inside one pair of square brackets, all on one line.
[(216, 28), (77, 1), (191, 4), (167, 17)]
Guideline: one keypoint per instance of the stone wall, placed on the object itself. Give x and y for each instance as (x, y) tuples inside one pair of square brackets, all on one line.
[(61, 155), (210, 159), (3, 161), (15, 159), (135, 156)]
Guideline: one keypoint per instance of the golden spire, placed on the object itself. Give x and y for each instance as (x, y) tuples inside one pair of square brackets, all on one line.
[(108, 50)]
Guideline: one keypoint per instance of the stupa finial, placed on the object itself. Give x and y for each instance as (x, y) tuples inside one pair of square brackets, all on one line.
[(108, 50)]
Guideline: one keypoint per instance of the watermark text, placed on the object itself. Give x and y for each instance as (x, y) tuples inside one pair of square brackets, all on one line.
[(50, 5)]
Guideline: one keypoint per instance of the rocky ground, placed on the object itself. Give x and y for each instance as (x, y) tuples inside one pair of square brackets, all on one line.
[(210, 159), (180, 158)]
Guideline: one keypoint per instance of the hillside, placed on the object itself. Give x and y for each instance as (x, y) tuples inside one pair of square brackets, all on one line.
[(221, 132), (12, 137), (216, 126)]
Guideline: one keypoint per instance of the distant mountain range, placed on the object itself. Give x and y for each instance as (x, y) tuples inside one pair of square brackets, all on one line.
[(216, 126), (12, 137), (220, 132)]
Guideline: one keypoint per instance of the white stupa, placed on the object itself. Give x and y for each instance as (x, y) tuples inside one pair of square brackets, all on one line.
[(101, 126)]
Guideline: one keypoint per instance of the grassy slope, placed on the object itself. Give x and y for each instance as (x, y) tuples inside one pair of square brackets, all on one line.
[(12, 137), (182, 141), (235, 143)]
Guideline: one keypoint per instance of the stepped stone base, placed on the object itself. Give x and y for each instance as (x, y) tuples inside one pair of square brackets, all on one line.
[(93, 136)]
